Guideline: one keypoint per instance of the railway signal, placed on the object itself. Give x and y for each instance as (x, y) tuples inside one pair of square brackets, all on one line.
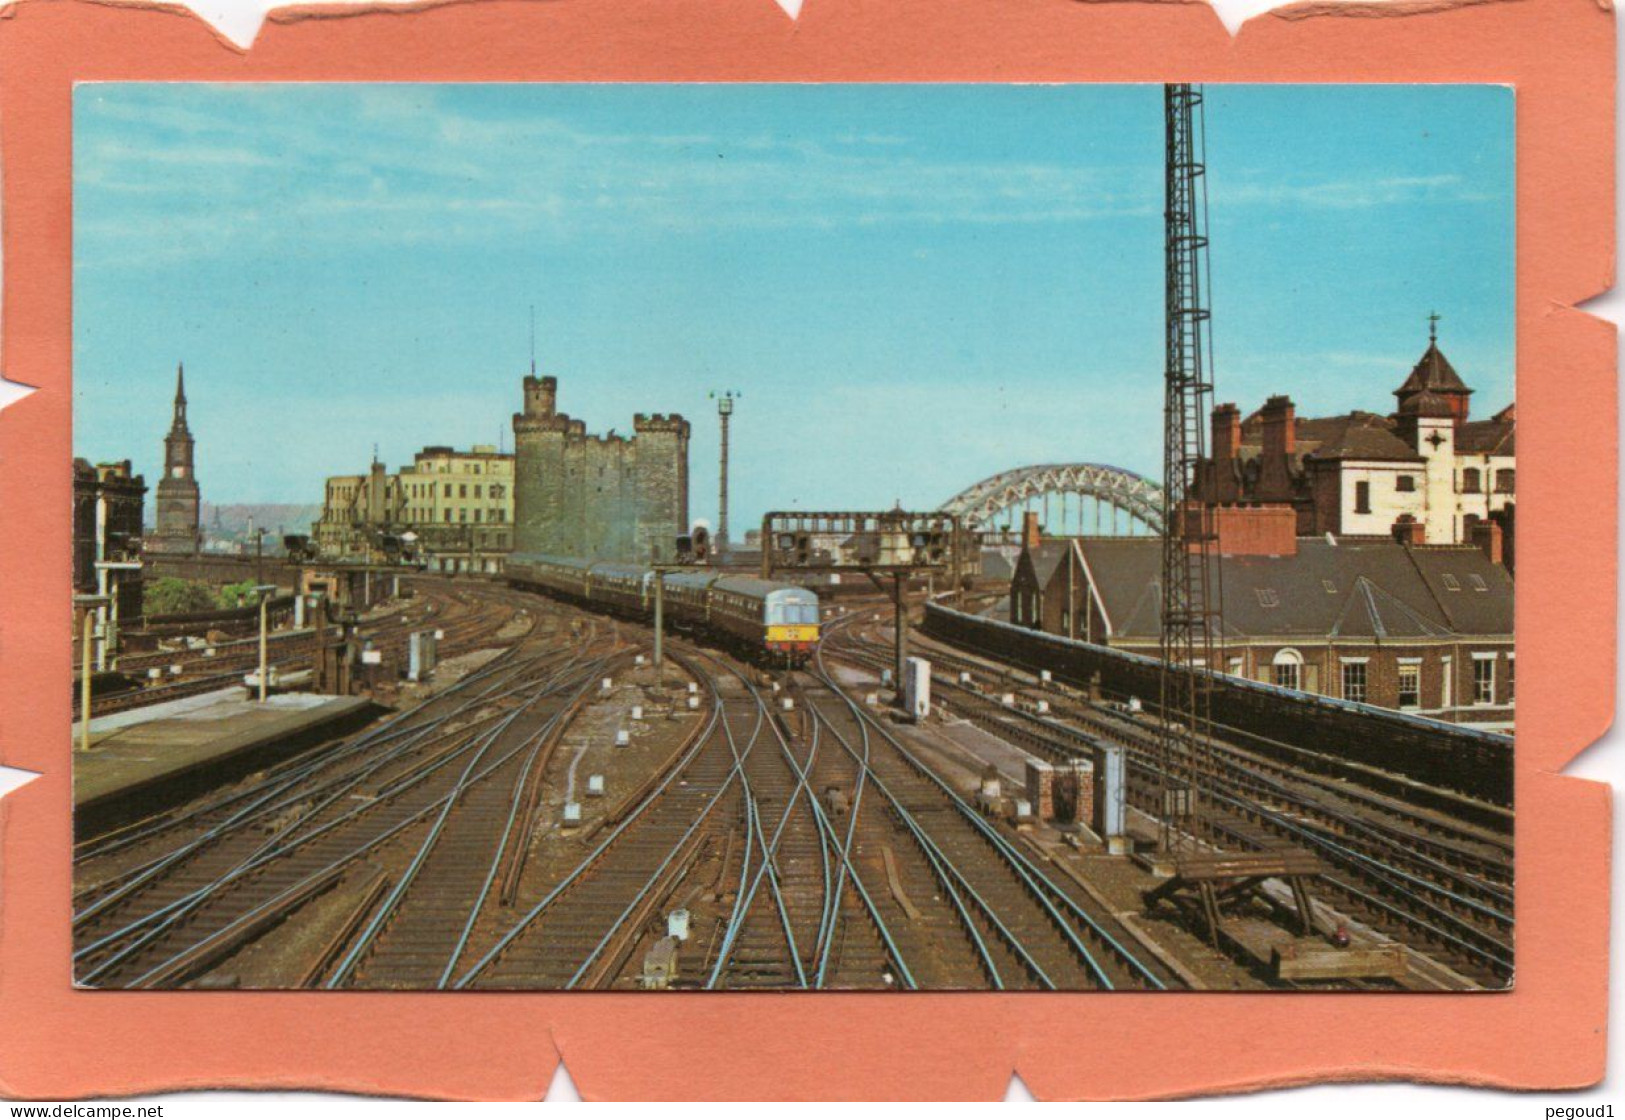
[(897, 543)]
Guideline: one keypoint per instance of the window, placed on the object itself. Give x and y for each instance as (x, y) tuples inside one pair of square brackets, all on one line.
[(1478, 583), (1235, 667), (1503, 480), (1447, 685), (1288, 669), (476, 489), (476, 515), (462, 489), (1362, 497), (1267, 597), (1484, 679), (1405, 483), (448, 515), (1354, 681), (1331, 588), (1512, 665), (1470, 483), (448, 490), (1410, 685), (1450, 582)]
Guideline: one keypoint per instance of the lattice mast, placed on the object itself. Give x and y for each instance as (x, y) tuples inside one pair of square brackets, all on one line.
[(1190, 616)]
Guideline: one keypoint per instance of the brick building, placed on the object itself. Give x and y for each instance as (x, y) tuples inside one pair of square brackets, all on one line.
[(358, 511), (179, 501), (1360, 474), (597, 496), (451, 509), (459, 505), (1387, 621), (108, 510)]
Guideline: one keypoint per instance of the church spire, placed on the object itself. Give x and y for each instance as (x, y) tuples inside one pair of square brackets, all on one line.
[(179, 423)]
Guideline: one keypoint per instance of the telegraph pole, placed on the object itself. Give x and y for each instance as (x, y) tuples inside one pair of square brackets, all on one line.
[(725, 410)]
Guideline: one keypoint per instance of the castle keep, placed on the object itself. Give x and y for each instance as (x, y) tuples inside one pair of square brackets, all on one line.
[(608, 497)]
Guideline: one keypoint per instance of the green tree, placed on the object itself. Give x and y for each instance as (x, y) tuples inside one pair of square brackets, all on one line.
[(170, 595), (238, 595)]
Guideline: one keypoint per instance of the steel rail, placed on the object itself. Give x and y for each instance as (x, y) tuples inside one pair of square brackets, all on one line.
[(265, 806), (167, 915), (1028, 872), (951, 879), (768, 866), (339, 862), (535, 912), (403, 883), (373, 736)]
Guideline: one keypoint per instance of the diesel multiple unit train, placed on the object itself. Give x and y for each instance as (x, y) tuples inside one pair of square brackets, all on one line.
[(768, 621)]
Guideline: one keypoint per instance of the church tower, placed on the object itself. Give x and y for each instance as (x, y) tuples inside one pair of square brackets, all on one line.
[(178, 499)]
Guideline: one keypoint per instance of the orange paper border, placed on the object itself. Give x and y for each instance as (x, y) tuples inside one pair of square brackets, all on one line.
[(59, 1043)]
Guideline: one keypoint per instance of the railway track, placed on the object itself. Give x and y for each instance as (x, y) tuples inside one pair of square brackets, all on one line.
[(469, 620), (1024, 928), (1444, 887), (189, 889)]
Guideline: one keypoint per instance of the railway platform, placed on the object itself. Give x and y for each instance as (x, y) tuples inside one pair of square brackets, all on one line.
[(144, 760)]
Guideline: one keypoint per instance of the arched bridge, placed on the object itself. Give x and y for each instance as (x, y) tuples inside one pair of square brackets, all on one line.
[(1131, 503)]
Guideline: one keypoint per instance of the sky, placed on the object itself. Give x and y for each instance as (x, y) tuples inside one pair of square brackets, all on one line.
[(911, 287)]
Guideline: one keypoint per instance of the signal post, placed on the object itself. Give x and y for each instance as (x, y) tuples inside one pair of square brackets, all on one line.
[(896, 543)]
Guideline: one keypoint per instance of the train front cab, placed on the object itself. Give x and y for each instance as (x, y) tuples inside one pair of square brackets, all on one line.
[(791, 619)]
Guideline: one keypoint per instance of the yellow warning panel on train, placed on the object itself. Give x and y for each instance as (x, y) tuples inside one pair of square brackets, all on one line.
[(792, 633)]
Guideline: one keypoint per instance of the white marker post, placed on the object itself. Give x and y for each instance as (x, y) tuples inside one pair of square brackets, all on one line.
[(265, 591)]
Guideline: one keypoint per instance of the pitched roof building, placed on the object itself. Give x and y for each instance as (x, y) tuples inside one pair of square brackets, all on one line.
[(1360, 474), (1384, 621)]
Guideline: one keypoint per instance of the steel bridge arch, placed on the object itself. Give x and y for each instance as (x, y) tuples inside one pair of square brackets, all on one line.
[(1135, 494)]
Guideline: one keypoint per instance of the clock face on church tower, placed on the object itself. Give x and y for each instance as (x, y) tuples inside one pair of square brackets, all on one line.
[(177, 472)]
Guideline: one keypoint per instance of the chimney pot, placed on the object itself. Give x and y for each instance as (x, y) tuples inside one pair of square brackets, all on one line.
[(1030, 532), (1487, 536)]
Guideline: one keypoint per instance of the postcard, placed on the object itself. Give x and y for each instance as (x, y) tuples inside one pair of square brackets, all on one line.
[(763, 540)]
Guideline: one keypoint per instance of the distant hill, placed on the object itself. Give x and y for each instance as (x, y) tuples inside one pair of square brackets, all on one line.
[(232, 521)]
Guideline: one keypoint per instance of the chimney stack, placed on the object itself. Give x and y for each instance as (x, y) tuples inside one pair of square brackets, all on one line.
[(1030, 533), (1487, 536), (1409, 531), (1280, 434), (1226, 432)]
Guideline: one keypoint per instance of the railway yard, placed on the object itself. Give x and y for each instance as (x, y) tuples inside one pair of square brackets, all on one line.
[(551, 811)]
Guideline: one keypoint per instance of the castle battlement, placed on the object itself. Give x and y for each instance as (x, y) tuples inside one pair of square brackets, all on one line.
[(598, 495), (525, 424), (660, 422)]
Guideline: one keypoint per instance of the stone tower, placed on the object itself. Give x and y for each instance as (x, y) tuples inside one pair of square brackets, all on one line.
[(662, 485), (539, 434), (602, 497), (178, 500)]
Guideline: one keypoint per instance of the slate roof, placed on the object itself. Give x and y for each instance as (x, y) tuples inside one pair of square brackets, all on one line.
[(1433, 373), (1488, 437), (1354, 589), (1353, 435), (1427, 403), (1047, 557)]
